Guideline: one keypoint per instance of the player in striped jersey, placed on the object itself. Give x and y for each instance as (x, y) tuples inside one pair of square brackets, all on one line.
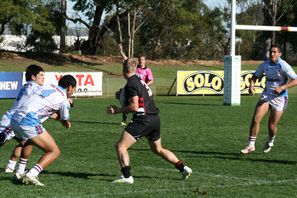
[(26, 123), (35, 80)]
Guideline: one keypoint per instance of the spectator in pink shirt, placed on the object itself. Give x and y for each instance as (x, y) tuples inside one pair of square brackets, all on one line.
[(144, 72)]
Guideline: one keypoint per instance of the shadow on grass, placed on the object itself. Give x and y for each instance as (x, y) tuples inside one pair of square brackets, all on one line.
[(94, 122), (106, 176), (228, 156), (194, 104)]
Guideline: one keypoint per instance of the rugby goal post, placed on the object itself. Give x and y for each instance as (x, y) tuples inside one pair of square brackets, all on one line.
[(232, 62)]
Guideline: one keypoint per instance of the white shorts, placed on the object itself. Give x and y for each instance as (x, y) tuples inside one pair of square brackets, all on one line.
[(5, 122), (277, 103), (26, 132)]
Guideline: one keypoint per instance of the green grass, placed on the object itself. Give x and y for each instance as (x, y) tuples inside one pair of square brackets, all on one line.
[(199, 130)]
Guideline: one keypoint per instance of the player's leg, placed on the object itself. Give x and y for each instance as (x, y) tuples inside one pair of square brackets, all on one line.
[(261, 109), (122, 146), (273, 120), (25, 154), (169, 156), (46, 143), (16, 153)]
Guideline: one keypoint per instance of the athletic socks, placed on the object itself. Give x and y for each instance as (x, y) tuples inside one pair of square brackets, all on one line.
[(271, 139), (22, 165), (252, 141), (11, 164), (35, 171), (180, 165), (126, 171)]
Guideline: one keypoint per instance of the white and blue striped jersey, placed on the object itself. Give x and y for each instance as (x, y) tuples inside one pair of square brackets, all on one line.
[(277, 74), (26, 92), (43, 103)]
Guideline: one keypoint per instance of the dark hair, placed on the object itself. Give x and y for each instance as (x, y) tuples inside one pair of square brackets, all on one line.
[(275, 46), (67, 81), (32, 70)]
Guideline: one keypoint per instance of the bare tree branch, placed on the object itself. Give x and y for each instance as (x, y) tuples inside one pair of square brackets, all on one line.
[(75, 20)]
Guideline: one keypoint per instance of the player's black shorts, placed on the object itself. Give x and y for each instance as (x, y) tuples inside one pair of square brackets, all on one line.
[(145, 126)]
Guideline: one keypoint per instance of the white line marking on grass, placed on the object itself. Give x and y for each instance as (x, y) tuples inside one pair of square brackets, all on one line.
[(246, 182), (197, 189)]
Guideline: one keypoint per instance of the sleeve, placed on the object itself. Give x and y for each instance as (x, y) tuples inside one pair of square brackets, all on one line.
[(131, 91), (150, 74), (288, 70), (64, 111), (260, 70)]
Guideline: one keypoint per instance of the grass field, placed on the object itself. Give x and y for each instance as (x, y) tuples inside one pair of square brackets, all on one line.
[(200, 130)]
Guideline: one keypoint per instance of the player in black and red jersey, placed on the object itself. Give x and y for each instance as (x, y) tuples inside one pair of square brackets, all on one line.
[(145, 123)]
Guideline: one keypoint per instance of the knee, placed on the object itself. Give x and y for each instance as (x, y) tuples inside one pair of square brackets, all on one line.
[(256, 120), (120, 147), (272, 126), (157, 151), (56, 151)]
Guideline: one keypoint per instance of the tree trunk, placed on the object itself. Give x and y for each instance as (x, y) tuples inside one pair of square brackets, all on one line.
[(63, 27)]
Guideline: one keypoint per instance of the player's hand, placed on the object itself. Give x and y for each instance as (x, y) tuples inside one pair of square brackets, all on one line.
[(66, 124), (111, 110), (120, 46), (118, 93), (70, 102), (252, 91), (278, 90)]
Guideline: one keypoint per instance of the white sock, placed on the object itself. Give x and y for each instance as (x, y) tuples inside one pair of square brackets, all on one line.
[(22, 165), (271, 139), (35, 170), (11, 164), (252, 141)]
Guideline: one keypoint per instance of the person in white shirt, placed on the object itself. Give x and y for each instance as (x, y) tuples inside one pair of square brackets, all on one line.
[(274, 98), (35, 80), (27, 121)]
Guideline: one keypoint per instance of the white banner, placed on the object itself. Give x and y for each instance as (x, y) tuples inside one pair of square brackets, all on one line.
[(88, 83)]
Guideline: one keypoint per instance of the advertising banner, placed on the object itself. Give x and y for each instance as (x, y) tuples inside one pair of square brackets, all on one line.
[(10, 84), (211, 82), (88, 83)]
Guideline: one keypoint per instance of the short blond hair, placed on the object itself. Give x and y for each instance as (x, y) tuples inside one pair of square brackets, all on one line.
[(130, 65)]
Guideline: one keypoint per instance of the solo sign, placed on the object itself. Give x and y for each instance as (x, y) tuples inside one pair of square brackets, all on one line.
[(211, 82)]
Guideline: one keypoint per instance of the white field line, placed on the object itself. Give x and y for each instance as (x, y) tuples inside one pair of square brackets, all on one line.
[(246, 182)]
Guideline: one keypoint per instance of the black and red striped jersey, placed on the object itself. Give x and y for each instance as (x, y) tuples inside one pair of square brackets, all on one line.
[(137, 87)]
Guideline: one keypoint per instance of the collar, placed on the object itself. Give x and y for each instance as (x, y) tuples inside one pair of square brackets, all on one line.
[(278, 60), (139, 66)]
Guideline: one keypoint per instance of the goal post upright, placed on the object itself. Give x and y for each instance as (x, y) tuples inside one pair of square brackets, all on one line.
[(232, 67)]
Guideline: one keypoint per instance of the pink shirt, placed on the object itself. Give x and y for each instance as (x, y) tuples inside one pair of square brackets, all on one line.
[(145, 74)]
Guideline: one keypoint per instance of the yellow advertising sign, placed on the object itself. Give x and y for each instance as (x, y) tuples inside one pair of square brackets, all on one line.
[(211, 82)]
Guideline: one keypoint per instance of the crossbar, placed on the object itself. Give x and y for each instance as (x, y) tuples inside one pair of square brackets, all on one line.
[(265, 28)]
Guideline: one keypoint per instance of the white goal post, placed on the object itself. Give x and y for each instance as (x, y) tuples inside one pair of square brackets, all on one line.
[(232, 63)]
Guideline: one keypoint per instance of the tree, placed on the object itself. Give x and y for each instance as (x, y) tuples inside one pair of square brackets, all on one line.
[(93, 11)]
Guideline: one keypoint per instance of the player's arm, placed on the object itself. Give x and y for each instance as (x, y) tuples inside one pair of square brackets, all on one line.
[(55, 116), (64, 114), (292, 75), (132, 107), (150, 77), (124, 57), (288, 85), (252, 84)]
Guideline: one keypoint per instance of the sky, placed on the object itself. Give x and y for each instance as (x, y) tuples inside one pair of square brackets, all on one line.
[(214, 3), (210, 3)]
